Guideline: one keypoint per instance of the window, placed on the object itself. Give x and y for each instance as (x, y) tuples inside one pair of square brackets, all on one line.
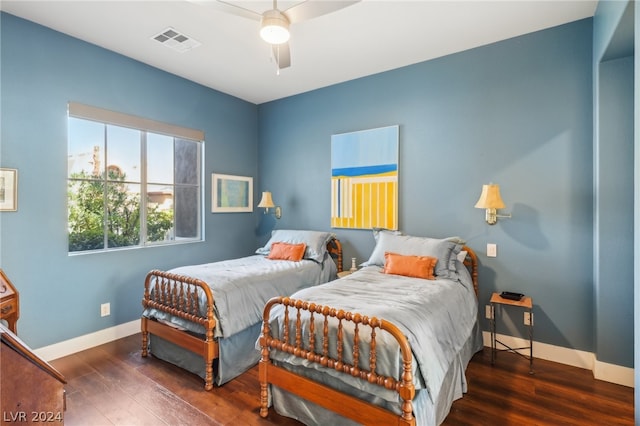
[(131, 181)]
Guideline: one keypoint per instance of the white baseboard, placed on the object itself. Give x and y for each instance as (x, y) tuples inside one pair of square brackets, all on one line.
[(80, 343), (587, 360), (614, 373), (601, 370)]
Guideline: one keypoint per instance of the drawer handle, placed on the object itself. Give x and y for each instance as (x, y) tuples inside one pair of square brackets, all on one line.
[(6, 309)]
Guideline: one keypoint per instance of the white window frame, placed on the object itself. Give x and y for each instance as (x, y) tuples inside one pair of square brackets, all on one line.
[(108, 117)]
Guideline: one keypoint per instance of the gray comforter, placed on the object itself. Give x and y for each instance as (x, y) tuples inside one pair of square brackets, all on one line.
[(241, 287), (438, 318)]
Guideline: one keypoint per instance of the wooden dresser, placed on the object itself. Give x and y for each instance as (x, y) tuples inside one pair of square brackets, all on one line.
[(9, 303), (32, 390)]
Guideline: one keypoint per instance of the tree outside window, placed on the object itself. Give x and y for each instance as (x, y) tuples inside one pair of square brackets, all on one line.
[(110, 167)]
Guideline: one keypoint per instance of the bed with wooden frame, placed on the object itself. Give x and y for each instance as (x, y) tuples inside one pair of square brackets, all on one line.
[(324, 361), (189, 302)]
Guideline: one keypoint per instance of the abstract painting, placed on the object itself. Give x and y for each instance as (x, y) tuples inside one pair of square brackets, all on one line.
[(231, 194), (364, 179)]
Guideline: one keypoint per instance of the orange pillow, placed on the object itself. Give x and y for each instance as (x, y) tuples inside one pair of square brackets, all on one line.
[(287, 251), (409, 266)]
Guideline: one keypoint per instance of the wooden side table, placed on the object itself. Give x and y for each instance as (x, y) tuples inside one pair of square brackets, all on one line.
[(525, 303), (9, 303)]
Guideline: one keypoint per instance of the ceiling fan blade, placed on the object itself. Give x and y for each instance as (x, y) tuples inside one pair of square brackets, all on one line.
[(282, 55), (312, 9), (228, 7)]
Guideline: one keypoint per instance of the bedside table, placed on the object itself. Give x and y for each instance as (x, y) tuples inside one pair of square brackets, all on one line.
[(526, 303), (344, 274)]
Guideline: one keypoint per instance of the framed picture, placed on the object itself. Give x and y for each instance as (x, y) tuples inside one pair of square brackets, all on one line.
[(231, 194), (8, 190), (364, 179)]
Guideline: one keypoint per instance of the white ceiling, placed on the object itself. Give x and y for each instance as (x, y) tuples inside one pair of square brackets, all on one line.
[(366, 38)]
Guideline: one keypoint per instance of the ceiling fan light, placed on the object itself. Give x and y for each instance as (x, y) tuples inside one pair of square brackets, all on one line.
[(274, 28)]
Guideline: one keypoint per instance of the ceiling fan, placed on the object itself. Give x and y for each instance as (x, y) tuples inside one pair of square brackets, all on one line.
[(274, 23)]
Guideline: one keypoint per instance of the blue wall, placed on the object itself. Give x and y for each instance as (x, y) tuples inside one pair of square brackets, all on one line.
[(41, 71), (614, 211), (517, 113), (616, 75), (613, 84)]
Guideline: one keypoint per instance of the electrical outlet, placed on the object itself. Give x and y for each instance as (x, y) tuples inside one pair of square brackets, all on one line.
[(487, 312), (528, 318), (492, 250), (105, 309)]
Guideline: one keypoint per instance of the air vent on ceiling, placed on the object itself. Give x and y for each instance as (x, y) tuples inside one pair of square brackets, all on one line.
[(176, 40)]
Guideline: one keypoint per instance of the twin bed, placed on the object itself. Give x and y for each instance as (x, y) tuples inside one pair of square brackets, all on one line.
[(207, 318), (379, 346), (388, 344)]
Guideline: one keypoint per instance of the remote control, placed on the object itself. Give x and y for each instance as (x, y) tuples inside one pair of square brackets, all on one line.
[(511, 295)]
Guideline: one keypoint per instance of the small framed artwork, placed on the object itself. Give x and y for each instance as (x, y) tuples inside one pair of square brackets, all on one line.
[(8, 190), (231, 194)]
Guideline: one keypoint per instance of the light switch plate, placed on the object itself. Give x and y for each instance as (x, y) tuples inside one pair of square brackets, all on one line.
[(492, 250)]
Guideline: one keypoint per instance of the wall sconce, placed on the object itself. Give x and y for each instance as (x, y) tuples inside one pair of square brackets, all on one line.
[(267, 203), (490, 199)]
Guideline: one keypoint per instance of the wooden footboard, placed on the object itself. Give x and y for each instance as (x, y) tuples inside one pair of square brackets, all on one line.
[(178, 295), (293, 343)]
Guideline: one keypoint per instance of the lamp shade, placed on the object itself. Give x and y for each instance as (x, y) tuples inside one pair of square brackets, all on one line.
[(266, 201), (274, 27), (490, 197)]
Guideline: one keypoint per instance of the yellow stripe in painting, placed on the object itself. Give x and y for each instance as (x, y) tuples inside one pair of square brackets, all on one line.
[(357, 203), (391, 217)]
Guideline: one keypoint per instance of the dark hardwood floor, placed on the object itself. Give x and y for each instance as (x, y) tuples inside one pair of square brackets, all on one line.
[(113, 385)]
